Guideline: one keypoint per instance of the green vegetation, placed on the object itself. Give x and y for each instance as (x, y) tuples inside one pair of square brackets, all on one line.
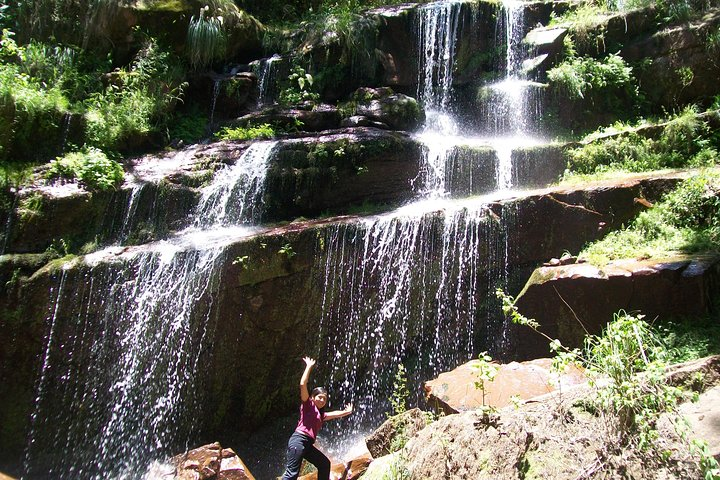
[(626, 366), (251, 132), (400, 393), (188, 127), (595, 85), (206, 38), (686, 140), (485, 371), (690, 338), (687, 220), (298, 88), (91, 167)]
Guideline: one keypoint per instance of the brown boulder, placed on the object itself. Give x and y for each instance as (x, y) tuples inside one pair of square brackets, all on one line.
[(568, 300), (455, 391), (211, 462)]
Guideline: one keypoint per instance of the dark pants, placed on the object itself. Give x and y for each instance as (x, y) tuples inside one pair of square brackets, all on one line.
[(301, 446)]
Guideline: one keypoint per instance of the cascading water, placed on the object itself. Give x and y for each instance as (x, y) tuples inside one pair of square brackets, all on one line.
[(437, 25), (127, 384), (267, 76), (215, 94), (406, 288), (235, 197), (417, 286), (117, 393)]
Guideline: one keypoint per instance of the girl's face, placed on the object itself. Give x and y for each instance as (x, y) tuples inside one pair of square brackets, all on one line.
[(320, 400)]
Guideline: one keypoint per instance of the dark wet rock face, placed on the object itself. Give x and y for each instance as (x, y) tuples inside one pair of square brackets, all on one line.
[(268, 298), (395, 110)]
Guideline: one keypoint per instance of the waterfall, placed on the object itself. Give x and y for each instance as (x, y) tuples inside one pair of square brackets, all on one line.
[(235, 196), (437, 25), (436, 33), (119, 382), (215, 94), (267, 76), (130, 213), (405, 288)]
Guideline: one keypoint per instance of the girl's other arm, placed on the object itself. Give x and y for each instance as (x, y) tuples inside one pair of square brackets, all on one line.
[(339, 413)]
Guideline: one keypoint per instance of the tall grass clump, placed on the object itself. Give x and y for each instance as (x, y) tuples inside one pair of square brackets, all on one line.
[(687, 220), (206, 38), (136, 103), (29, 108)]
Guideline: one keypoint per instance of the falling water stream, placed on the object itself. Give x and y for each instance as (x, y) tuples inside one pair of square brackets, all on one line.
[(129, 391), (414, 287), (409, 287)]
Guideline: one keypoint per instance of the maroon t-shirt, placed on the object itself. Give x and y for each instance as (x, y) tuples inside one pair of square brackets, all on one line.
[(311, 419)]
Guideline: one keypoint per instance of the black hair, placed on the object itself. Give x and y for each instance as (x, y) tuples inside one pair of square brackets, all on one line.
[(318, 391)]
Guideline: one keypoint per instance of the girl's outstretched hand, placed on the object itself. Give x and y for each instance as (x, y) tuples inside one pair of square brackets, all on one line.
[(349, 408), (309, 362)]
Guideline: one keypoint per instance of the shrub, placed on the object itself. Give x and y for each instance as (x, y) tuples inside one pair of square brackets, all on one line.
[(298, 88), (137, 101), (251, 132), (28, 110), (625, 365), (581, 77), (686, 140), (188, 127), (91, 167)]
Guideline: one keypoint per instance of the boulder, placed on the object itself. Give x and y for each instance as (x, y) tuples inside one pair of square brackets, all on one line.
[(312, 118), (406, 424), (455, 391), (331, 172), (211, 462), (396, 110), (545, 44), (555, 437), (568, 300)]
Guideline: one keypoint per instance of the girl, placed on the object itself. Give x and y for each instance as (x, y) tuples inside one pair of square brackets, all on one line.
[(312, 416)]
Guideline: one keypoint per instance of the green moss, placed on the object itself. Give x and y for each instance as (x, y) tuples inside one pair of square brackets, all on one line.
[(176, 6)]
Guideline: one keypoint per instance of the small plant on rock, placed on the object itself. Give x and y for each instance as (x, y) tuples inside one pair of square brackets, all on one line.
[(298, 88), (485, 372)]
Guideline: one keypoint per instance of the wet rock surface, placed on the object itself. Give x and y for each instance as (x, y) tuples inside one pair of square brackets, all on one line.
[(269, 296)]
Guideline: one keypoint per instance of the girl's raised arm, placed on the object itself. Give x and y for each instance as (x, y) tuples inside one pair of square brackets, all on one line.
[(309, 364)]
